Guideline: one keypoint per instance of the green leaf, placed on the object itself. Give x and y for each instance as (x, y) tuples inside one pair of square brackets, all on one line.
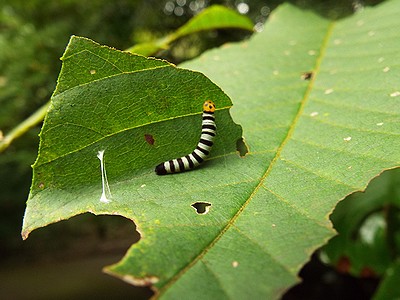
[(141, 112), (211, 18), (312, 142), (389, 287), (367, 226), (369, 234), (327, 137)]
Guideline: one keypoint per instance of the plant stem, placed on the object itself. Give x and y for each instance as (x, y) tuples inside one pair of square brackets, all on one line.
[(23, 127)]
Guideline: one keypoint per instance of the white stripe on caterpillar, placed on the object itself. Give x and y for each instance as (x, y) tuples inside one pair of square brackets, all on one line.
[(192, 160)]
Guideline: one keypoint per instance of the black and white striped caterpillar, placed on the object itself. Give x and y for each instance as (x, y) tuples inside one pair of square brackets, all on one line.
[(202, 150)]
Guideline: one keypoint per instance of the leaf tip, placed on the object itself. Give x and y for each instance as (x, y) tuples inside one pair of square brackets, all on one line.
[(25, 234)]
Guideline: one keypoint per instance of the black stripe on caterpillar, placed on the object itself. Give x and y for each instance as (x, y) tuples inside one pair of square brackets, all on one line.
[(202, 150)]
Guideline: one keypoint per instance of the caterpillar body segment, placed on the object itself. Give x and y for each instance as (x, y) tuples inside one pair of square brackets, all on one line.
[(202, 150)]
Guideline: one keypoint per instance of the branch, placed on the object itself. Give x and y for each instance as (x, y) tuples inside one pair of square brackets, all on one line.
[(23, 127)]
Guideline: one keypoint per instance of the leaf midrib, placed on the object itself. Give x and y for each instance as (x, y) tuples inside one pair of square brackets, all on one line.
[(118, 132), (289, 134)]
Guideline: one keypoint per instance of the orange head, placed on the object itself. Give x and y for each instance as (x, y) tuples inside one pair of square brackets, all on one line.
[(209, 106)]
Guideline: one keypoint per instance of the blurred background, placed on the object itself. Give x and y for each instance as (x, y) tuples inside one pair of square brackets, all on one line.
[(64, 260)]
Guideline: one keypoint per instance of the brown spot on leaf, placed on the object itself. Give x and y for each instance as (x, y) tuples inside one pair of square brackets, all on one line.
[(149, 139)]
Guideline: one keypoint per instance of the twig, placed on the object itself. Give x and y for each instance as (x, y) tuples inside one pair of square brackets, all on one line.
[(23, 127)]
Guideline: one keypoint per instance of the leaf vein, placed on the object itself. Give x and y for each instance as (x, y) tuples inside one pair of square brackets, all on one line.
[(320, 175), (269, 169), (324, 147)]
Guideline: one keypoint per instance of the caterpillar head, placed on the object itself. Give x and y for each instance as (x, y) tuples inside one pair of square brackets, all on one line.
[(209, 106)]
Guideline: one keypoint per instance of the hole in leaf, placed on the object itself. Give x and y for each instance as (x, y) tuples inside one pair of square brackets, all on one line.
[(201, 208), (241, 147), (86, 238), (149, 139), (306, 75), (86, 234)]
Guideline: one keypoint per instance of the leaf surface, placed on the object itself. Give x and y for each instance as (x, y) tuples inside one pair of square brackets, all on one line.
[(141, 112), (327, 137)]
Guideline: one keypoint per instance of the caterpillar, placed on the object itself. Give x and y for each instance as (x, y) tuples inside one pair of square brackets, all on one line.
[(192, 160)]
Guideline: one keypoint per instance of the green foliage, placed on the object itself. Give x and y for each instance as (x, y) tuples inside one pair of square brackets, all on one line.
[(128, 97), (389, 288), (25, 76), (33, 36), (367, 228), (368, 244), (312, 141), (214, 17), (342, 126)]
